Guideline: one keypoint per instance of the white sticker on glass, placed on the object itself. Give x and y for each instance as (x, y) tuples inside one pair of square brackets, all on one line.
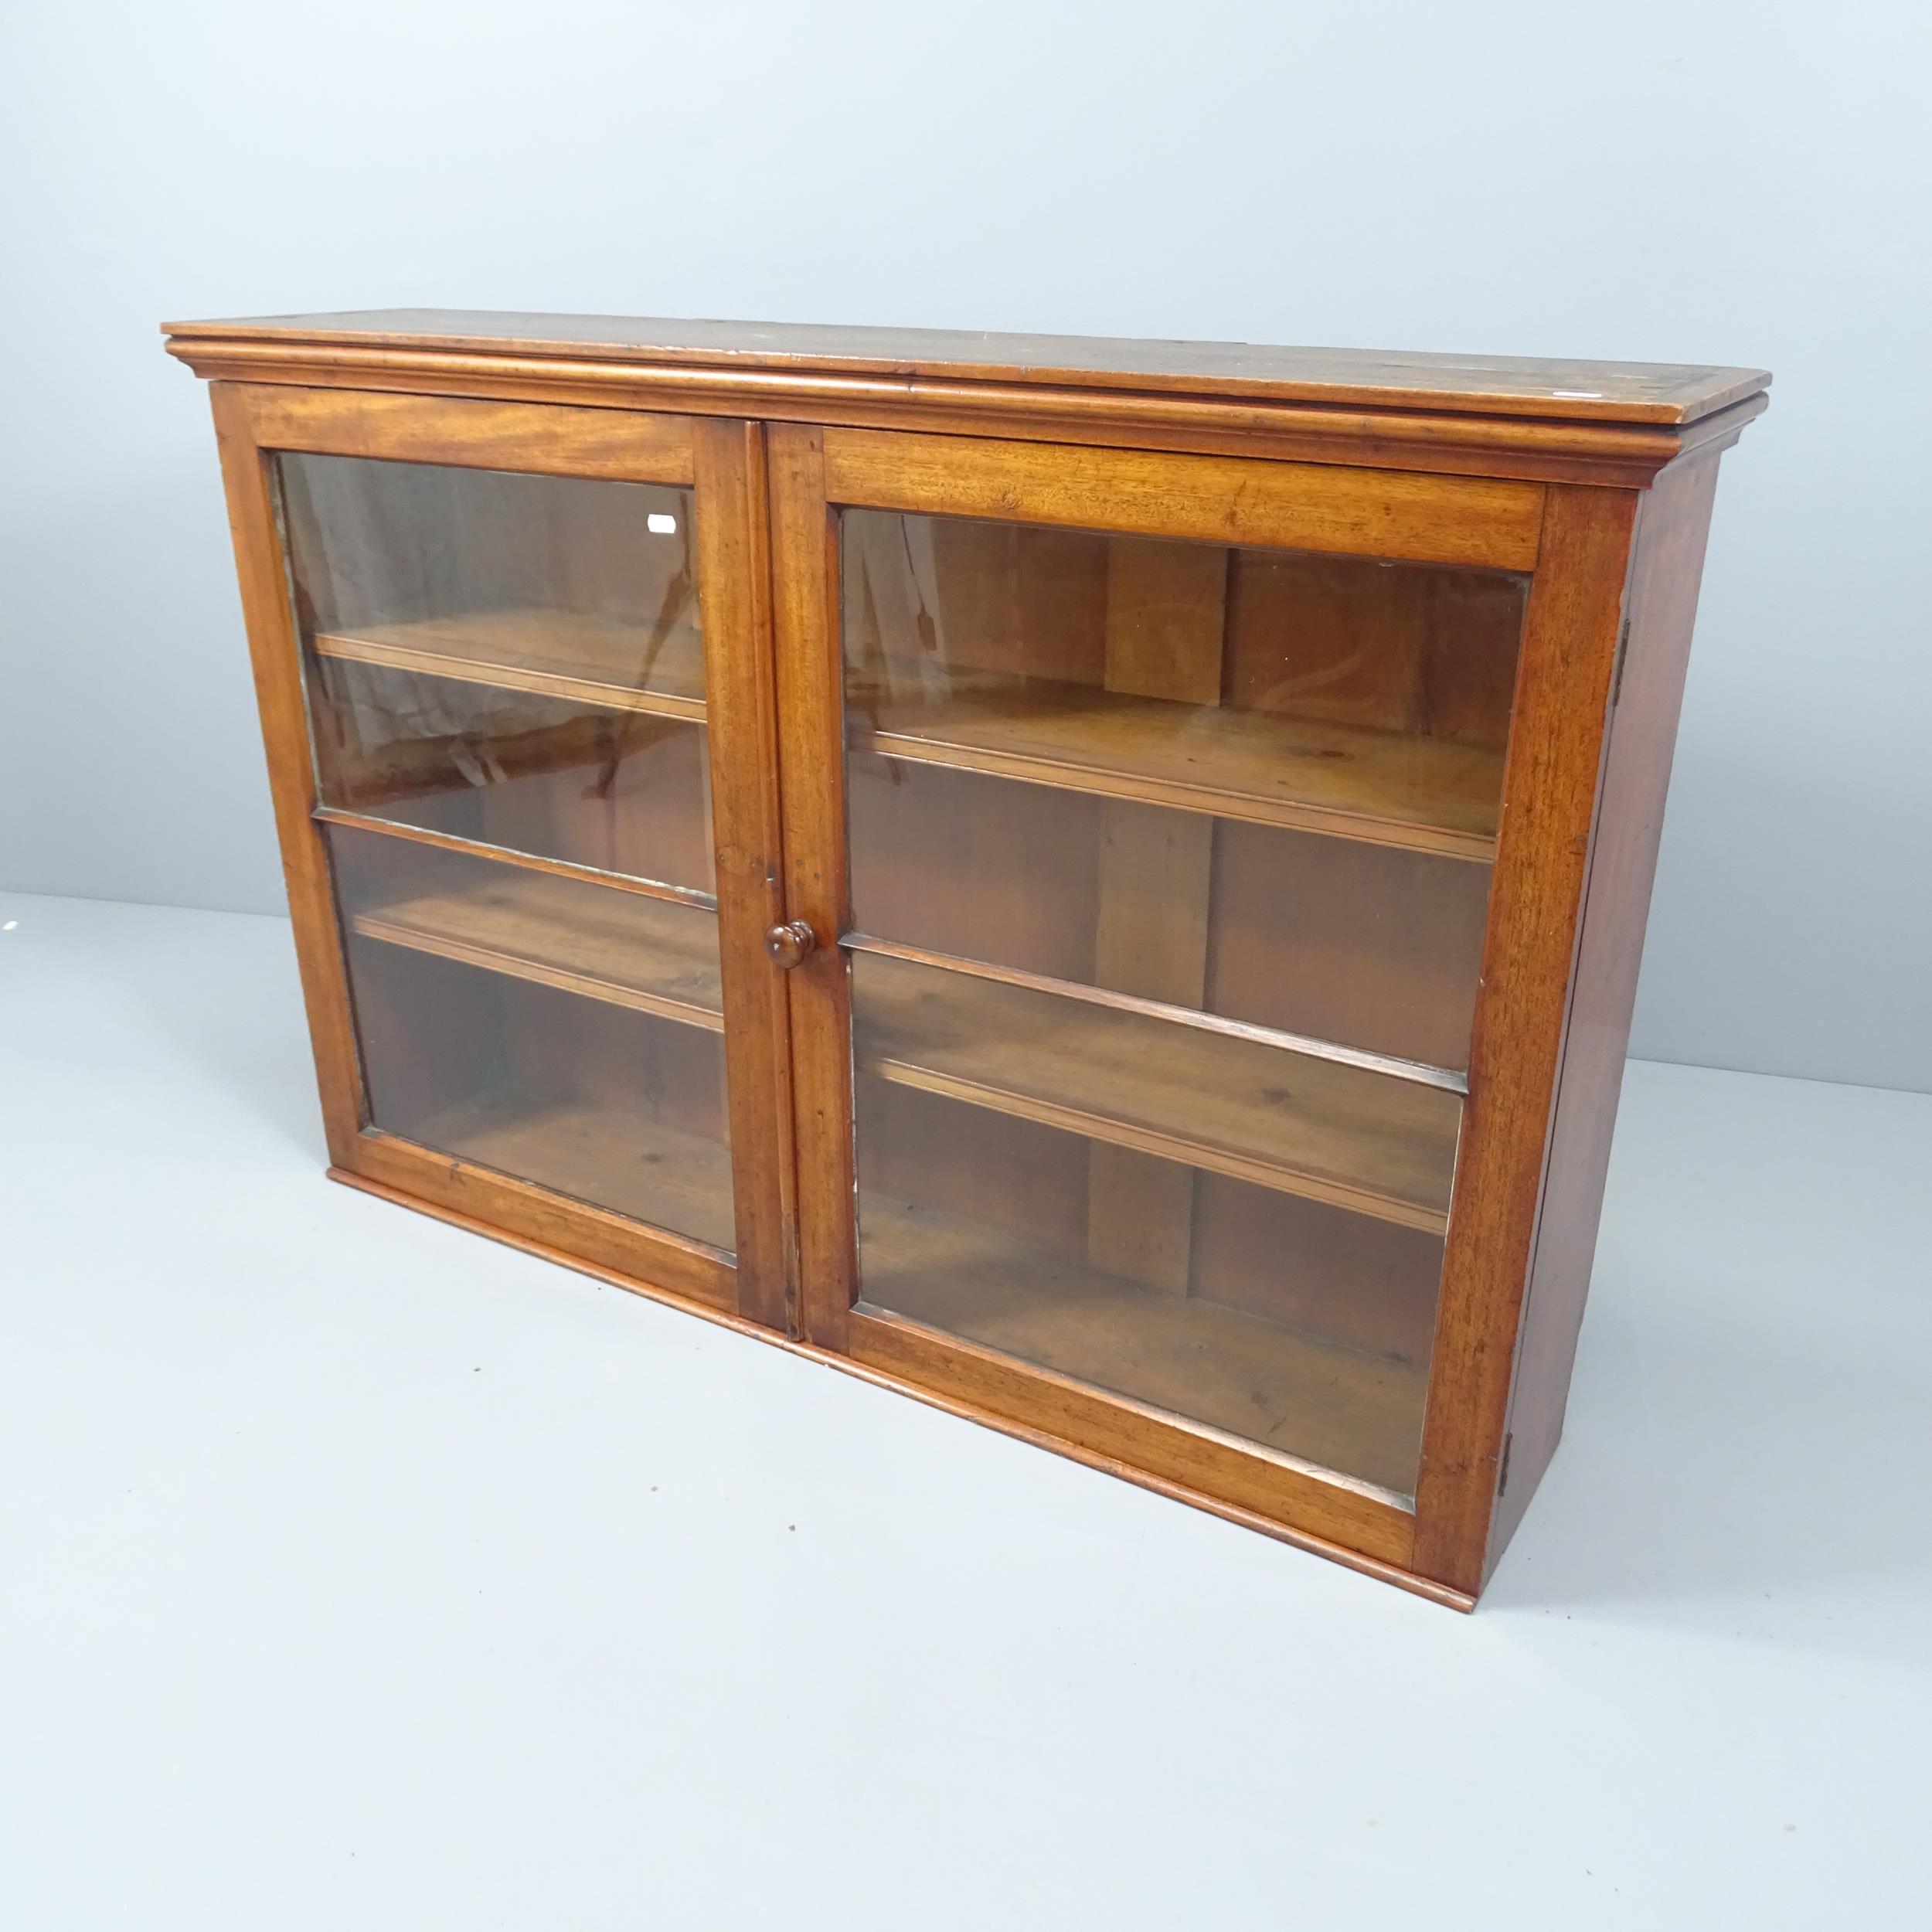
[(659, 524)]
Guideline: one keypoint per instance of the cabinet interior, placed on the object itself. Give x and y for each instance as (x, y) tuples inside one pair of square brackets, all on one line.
[(1256, 786), (1169, 863)]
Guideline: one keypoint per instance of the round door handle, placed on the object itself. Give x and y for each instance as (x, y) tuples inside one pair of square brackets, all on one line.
[(789, 944)]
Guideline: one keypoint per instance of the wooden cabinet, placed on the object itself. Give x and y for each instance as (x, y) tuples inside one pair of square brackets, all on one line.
[(1100, 884)]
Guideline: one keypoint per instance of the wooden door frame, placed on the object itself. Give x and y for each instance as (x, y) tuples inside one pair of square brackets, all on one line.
[(1575, 541), (721, 458)]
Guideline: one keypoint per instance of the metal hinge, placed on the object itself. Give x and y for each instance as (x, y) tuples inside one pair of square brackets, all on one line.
[(1502, 1476), (1617, 675)]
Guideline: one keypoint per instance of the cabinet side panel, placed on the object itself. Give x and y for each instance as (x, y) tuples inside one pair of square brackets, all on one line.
[(1550, 788), (278, 690), (1663, 603)]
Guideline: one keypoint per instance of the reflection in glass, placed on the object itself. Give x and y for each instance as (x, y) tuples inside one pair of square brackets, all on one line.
[(517, 660), (618, 792)]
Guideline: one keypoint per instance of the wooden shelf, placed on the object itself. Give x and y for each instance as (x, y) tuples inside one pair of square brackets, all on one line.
[(604, 943), (1386, 787), (611, 1157), (1335, 1406), (1231, 1103), (559, 654)]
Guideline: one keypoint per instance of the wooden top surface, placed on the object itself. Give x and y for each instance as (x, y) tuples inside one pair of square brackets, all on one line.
[(1665, 392)]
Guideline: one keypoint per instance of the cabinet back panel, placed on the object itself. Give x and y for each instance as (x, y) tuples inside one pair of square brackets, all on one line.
[(974, 866), (1026, 1182), (1367, 1283), (1407, 648), (1420, 649), (1365, 945)]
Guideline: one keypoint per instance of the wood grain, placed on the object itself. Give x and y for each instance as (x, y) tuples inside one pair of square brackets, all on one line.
[(1531, 385), (1425, 651), (1166, 620), (1613, 455), (1336, 1407), (1166, 615), (806, 603), (1423, 794), (1420, 518), (612, 1157), (630, 951), (1257, 1112), (734, 573), (1151, 938), (539, 438), (274, 656), (1550, 789)]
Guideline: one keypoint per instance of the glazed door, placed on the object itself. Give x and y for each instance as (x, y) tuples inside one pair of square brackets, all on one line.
[(1140, 817), (516, 689)]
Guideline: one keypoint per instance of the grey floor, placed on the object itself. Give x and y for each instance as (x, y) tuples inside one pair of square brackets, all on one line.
[(357, 1573)]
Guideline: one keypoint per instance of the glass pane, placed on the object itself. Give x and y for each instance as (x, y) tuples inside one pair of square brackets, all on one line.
[(1242, 1104), (562, 1031), (517, 660), (1284, 1321), (1166, 768), (1170, 865)]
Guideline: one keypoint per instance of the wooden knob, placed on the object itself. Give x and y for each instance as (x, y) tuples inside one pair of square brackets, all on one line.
[(789, 943)]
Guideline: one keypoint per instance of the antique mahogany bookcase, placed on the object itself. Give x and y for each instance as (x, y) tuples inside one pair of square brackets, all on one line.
[(1099, 884)]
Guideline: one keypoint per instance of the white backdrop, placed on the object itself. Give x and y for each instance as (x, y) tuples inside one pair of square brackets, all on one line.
[(1653, 178)]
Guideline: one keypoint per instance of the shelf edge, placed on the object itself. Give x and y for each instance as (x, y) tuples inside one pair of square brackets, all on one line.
[(501, 677), (524, 861), (1253, 1169), (1178, 795), (538, 972)]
